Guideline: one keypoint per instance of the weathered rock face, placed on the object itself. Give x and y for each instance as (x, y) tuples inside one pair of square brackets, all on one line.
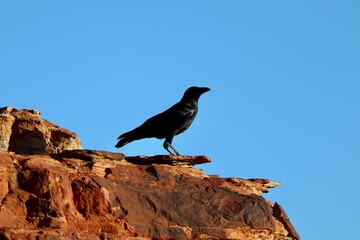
[(88, 194), (25, 132), (99, 195)]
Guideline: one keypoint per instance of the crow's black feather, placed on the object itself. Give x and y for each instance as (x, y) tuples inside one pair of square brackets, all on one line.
[(169, 123)]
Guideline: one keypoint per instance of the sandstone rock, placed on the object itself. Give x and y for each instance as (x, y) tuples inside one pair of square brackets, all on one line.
[(25, 132), (88, 194), (280, 215), (51, 189), (173, 160)]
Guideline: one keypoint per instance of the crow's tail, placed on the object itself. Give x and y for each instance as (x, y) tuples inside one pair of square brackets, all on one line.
[(127, 138), (122, 142)]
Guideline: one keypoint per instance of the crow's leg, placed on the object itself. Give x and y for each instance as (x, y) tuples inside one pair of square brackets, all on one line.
[(177, 153), (167, 144)]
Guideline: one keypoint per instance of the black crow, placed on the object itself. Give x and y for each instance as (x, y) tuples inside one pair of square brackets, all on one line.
[(169, 123)]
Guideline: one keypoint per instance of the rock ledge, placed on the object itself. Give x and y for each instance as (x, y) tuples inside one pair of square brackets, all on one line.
[(103, 196), (51, 189)]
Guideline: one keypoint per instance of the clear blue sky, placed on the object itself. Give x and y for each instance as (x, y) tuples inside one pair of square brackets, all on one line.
[(285, 80)]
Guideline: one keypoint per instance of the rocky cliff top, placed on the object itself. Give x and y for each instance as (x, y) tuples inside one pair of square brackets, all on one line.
[(52, 189), (25, 132)]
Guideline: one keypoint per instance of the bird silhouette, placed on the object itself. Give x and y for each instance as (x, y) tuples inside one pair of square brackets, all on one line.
[(169, 123)]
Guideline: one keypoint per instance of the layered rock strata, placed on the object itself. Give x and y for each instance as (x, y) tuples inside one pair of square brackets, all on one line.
[(25, 132), (100, 195), (51, 189)]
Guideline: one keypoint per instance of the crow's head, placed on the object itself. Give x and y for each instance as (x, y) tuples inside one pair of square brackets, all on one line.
[(194, 93)]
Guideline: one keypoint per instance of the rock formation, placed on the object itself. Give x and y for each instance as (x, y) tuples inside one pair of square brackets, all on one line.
[(25, 132), (57, 191)]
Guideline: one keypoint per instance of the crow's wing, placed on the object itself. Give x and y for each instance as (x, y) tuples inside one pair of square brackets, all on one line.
[(172, 121)]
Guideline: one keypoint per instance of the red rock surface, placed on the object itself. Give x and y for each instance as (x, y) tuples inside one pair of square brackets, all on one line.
[(169, 159), (90, 194), (25, 132), (106, 197)]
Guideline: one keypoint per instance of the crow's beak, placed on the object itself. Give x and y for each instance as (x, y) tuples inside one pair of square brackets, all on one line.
[(205, 89)]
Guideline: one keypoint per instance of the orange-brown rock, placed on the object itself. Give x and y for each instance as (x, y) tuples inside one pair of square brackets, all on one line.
[(87, 194), (169, 159), (51, 189), (25, 132)]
